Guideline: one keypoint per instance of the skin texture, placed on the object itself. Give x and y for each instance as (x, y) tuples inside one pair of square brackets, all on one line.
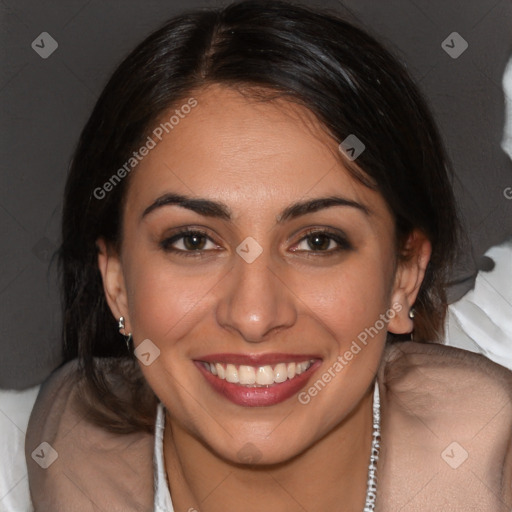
[(258, 158)]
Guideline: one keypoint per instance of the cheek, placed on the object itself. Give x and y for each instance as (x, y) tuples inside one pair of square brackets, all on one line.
[(161, 301), (350, 298)]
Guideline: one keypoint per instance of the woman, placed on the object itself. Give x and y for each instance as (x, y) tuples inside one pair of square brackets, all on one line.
[(258, 217)]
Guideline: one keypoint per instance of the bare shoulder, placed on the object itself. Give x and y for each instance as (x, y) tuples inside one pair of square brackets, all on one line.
[(447, 413), (72, 462)]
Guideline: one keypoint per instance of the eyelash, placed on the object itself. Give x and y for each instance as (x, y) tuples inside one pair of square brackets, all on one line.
[(343, 243)]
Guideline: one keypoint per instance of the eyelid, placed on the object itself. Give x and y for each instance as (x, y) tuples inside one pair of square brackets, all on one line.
[(342, 241), (337, 236), (166, 243)]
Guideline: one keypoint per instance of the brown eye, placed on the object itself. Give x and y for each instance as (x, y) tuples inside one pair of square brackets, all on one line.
[(188, 243), (319, 242), (323, 241), (194, 241)]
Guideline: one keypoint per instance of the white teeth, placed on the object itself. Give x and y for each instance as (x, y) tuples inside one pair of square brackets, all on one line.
[(290, 370), (280, 372), (265, 376), (301, 367), (257, 376), (231, 373), (246, 374), (221, 373)]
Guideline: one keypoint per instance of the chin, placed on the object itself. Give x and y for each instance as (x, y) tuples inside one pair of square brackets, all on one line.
[(260, 454)]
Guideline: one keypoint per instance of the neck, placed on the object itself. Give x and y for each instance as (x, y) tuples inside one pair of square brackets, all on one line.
[(329, 475)]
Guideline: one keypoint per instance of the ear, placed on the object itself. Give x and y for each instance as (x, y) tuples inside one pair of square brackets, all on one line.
[(114, 288), (408, 278)]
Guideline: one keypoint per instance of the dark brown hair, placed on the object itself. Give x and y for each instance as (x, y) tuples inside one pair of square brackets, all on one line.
[(349, 81)]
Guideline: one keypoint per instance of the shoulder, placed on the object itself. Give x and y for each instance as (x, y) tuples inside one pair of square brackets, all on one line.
[(446, 372), (447, 415), (72, 462)]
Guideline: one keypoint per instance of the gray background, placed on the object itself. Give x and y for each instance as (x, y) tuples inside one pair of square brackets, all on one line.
[(45, 103)]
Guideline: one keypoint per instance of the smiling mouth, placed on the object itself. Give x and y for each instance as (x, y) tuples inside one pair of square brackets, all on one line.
[(257, 376)]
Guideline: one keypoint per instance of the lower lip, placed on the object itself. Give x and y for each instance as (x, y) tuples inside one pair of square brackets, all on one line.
[(258, 396)]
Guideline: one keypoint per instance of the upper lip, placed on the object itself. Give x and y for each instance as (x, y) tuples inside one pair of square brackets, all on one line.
[(256, 359)]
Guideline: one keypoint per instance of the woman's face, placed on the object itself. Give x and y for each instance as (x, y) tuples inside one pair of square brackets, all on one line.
[(290, 261)]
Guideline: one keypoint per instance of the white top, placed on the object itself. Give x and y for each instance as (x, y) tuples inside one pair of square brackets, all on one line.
[(163, 502)]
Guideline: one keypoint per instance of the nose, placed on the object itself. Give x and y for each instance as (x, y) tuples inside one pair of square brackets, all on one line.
[(255, 300)]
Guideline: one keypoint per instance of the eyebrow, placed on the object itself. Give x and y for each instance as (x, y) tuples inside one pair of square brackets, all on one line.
[(215, 209)]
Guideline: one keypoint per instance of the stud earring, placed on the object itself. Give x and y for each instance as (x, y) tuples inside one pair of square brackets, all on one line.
[(127, 337)]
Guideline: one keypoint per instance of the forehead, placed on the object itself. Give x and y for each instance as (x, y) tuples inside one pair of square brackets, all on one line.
[(244, 152)]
